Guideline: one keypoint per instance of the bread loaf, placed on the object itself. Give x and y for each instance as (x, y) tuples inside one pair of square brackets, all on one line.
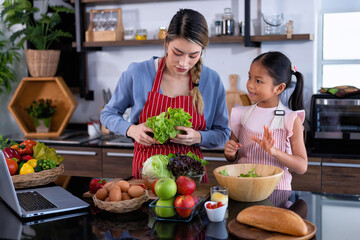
[(273, 219)]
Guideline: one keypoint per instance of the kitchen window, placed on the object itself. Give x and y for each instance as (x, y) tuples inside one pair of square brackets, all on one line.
[(339, 58)]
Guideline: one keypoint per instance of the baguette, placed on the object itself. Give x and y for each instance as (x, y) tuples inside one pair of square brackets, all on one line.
[(273, 219)]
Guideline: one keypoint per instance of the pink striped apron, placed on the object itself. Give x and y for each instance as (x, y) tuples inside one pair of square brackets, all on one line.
[(157, 103), (251, 152)]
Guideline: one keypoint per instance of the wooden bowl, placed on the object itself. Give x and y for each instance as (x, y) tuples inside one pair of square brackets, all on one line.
[(249, 189)]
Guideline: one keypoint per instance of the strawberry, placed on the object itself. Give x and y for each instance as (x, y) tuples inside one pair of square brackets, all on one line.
[(96, 184)]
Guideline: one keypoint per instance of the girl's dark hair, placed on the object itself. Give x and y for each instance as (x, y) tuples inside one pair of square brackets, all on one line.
[(192, 26), (280, 69)]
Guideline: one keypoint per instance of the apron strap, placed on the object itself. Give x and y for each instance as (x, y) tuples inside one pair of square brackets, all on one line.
[(159, 75), (278, 120)]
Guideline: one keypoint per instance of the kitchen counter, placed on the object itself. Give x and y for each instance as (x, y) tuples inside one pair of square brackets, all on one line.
[(335, 216)]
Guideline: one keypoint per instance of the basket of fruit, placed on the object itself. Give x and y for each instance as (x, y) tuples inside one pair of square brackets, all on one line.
[(31, 163), (120, 197)]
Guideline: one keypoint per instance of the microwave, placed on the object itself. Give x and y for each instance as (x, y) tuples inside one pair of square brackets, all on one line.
[(334, 118)]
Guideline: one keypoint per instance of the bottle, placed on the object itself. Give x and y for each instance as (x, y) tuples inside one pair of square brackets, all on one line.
[(162, 33), (227, 22), (218, 31)]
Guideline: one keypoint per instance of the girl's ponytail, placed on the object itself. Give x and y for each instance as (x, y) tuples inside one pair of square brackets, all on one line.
[(197, 99), (296, 100)]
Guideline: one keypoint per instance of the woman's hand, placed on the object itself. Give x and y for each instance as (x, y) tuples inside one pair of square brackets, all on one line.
[(140, 134), (267, 142), (231, 148), (188, 137)]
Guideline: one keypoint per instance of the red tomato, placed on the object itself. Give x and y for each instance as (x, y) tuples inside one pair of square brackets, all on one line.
[(209, 205), (219, 204), (12, 165), (153, 186)]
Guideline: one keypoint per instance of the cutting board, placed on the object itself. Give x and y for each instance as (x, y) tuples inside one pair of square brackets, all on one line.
[(244, 231), (234, 96)]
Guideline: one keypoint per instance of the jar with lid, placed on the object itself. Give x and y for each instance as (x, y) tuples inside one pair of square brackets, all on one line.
[(218, 31), (162, 33), (227, 22), (141, 34)]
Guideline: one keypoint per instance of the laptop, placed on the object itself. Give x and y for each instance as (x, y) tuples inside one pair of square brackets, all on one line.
[(36, 201)]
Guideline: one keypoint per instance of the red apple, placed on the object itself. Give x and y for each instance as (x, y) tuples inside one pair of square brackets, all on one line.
[(196, 199), (185, 185), (183, 205), (153, 186)]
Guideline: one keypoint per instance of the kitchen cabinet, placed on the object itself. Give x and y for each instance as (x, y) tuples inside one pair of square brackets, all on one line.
[(81, 161), (340, 176), (117, 162), (311, 180), (215, 159)]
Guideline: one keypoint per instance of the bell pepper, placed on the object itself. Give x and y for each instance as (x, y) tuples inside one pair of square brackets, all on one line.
[(26, 157), (32, 162), (11, 153), (26, 147), (96, 184), (26, 168)]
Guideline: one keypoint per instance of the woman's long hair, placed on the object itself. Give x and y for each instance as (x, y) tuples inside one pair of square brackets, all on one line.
[(192, 26)]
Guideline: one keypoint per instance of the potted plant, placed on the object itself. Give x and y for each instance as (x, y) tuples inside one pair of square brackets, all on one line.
[(41, 111), (7, 56), (41, 32)]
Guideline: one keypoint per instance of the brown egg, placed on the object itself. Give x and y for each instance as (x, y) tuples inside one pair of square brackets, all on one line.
[(101, 194), (125, 196), (136, 191), (115, 194), (108, 186), (107, 199), (124, 185)]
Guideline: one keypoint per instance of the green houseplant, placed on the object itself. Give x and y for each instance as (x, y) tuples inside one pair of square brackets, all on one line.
[(41, 32), (41, 111), (8, 54)]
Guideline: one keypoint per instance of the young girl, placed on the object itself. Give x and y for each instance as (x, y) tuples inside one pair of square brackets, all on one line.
[(267, 132)]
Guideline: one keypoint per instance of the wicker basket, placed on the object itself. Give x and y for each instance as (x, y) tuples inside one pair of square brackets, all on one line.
[(42, 63), (123, 206), (37, 178)]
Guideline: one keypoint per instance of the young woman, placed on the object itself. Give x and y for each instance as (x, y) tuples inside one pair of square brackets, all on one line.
[(177, 80), (268, 132)]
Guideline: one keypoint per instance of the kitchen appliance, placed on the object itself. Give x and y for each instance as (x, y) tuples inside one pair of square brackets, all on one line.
[(335, 122)]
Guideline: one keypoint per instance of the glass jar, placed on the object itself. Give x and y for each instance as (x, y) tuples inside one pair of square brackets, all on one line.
[(162, 33), (141, 34), (218, 31), (227, 22)]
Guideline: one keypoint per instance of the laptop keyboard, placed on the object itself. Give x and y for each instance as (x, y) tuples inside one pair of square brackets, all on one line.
[(32, 201)]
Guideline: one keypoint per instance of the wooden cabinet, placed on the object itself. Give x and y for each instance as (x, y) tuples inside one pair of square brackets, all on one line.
[(311, 180), (340, 176), (117, 163), (214, 160), (81, 161)]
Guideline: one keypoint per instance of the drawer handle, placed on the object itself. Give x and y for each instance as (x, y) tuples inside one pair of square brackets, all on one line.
[(69, 152), (314, 163), (215, 159), (341, 165), (116, 154)]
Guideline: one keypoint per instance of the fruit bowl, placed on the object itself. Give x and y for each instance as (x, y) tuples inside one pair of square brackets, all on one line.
[(249, 189), (194, 210), (148, 181)]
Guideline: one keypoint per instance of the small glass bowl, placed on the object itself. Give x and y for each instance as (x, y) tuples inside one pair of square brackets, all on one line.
[(148, 181)]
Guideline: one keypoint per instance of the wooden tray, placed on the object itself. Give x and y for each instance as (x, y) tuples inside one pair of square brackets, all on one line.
[(243, 231)]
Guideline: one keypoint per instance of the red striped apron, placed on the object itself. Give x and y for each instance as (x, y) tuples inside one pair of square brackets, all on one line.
[(251, 152), (157, 103)]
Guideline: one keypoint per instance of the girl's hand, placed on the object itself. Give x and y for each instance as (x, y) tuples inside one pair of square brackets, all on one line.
[(140, 134), (231, 148), (267, 142), (188, 137)]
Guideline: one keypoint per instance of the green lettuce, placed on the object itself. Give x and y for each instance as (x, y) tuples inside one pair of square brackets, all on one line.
[(156, 167), (42, 152), (164, 123)]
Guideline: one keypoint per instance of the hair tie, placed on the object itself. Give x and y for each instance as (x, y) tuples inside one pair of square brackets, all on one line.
[(294, 69), (195, 84)]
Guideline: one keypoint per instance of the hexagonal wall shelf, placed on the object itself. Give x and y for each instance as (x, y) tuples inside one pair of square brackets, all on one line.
[(31, 89)]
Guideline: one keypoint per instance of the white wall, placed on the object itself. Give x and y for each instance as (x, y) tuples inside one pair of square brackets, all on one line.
[(105, 67)]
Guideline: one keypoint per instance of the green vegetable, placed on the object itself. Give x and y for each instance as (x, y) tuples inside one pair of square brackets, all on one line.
[(196, 157), (46, 164), (223, 172), (156, 167), (164, 123), (249, 174), (42, 152)]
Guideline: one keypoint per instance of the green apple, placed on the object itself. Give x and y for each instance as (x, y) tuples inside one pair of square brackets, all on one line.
[(165, 229), (165, 208), (165, 188)]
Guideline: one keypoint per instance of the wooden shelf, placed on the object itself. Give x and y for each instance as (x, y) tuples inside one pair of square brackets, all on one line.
[(269, 38), (213, 40), (125, 1)]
